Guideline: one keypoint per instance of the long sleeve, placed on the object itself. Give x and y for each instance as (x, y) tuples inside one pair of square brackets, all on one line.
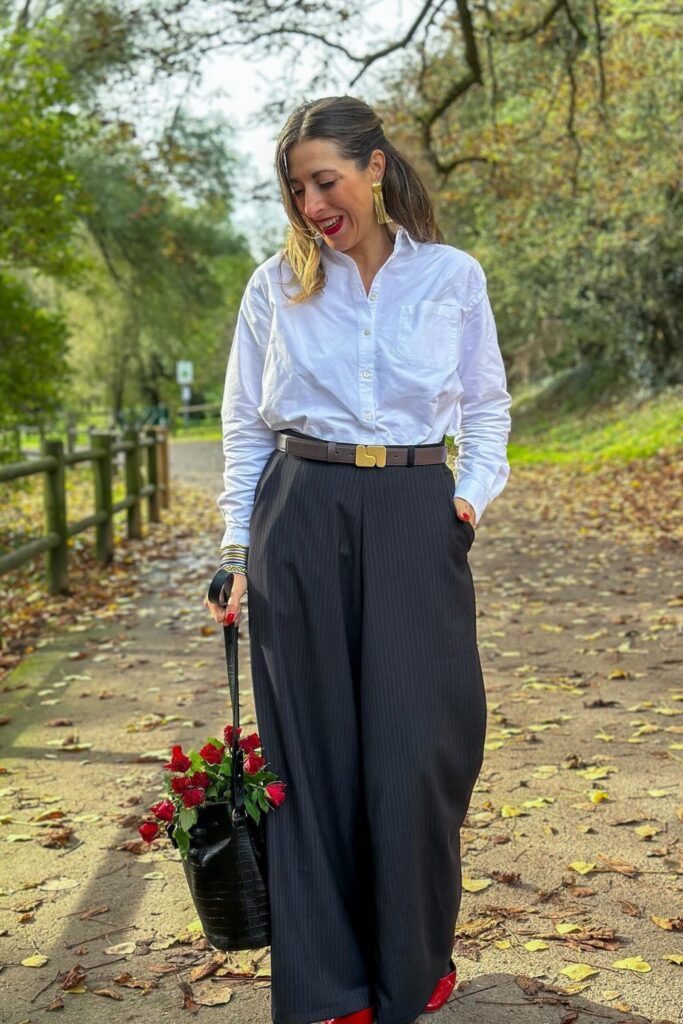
[(247, 438), (482, 436)]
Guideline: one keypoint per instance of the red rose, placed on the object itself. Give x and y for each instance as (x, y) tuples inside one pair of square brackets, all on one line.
[(227, 734), (193, 797), (179, 762), (275, 791), (250, 743), (164, 810), (201, 779), (211, 754), (149, 830), (253, 763), (180, 783)]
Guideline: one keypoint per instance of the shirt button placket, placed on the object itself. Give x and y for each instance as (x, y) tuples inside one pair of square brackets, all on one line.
[(367, 362)]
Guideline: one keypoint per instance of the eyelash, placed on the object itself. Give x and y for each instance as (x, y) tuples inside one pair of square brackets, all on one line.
[(324, 184)]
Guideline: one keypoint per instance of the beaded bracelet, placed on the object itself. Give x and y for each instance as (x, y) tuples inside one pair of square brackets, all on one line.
[(234, 558)]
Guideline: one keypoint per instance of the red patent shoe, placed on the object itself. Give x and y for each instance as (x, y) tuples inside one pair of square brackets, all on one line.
[(364, 1016), (444, 987)]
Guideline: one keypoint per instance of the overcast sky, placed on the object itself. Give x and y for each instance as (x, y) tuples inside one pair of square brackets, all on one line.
[(237, 89)]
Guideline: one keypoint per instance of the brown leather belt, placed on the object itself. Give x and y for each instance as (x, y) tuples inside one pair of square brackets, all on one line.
[(378, 455)]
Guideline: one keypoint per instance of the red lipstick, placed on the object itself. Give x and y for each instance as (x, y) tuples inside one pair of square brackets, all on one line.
[(334, 227)]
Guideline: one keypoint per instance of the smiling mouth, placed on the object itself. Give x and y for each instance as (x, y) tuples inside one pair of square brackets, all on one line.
[(331, 226)]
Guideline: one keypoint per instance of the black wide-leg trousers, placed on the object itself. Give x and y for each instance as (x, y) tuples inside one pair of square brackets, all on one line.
[(370, 705)]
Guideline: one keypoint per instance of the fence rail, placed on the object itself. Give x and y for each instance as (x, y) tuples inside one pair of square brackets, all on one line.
[(104, 447)]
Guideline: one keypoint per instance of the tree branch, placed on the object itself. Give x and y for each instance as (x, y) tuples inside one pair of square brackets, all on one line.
[(518, 35), (601, 64), (459, 88), (391, 47)]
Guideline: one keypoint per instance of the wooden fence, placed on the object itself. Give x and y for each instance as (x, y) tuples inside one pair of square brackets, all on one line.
[(102, 452)]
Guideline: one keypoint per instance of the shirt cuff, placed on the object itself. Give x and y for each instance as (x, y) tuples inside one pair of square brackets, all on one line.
[(235, 535), (474, 492)]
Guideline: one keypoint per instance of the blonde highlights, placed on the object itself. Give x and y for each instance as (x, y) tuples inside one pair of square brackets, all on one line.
[(356, 130)]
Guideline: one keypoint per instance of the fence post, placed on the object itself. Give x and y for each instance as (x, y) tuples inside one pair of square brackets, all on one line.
[(133, 485), (101, 443), (71, 430), (55, 518), (162, 433), (152, 476)]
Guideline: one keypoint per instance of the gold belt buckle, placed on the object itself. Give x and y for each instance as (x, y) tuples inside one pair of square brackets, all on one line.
[(371, 455)]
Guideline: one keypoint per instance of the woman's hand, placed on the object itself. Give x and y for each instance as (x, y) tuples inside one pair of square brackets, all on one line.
[(239, 589), (464, 506)]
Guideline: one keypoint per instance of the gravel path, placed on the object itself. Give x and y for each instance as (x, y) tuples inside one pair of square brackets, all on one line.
[(572, 847)]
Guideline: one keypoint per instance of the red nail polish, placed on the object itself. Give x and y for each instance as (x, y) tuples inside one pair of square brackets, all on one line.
[(229, 618)]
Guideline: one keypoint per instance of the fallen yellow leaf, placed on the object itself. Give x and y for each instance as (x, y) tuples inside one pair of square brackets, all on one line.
[(476, 884), (582, 867), (535, 944), (507, 811), (594, 773), (668, 923), (647, 831), (579, 972), (632, 963), (37, 960), (120, 949), (575, 987)]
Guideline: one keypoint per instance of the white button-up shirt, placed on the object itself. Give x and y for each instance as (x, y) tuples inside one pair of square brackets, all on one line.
[(415, 358)]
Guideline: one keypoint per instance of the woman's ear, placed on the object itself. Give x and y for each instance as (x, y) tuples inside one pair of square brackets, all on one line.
[(378, 163)]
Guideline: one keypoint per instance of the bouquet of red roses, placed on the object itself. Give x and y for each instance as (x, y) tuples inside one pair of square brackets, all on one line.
[(196, 779)]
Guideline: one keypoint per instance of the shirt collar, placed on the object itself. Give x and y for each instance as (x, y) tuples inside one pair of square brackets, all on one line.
[(403, 240)]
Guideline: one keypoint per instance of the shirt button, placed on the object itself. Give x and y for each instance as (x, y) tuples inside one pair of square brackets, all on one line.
[(366, 331), (373, 296), (366, 373), (368, 415)]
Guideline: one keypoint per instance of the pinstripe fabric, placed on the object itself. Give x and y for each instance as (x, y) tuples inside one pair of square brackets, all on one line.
[(370, 703)]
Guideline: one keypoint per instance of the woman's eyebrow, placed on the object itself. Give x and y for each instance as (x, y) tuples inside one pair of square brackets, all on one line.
[(327, 170)]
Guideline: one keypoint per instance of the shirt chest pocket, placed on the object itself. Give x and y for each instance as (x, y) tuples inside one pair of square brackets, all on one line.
[(429, 334)]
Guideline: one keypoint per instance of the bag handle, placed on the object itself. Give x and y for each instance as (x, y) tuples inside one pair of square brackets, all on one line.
[(219, 592)]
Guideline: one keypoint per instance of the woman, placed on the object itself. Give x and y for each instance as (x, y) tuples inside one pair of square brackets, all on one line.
[(357, 349)]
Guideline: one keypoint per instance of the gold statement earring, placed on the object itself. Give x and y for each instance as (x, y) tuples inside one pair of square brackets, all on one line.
[(380, 209)]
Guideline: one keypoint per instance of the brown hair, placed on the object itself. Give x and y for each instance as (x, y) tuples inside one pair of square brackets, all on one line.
[(356, 130)]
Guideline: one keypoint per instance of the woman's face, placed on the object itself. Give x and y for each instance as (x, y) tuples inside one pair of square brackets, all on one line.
[(326, 187)]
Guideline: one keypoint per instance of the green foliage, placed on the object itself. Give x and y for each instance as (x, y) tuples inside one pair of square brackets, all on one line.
[(188, 818), (545, 430), (163, 272), (573, 206), (30, 337), (129, 246), (182, 838), (40, 197), (252, 809)]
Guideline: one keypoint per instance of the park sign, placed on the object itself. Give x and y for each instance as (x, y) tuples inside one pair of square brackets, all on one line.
[(184, 371)]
